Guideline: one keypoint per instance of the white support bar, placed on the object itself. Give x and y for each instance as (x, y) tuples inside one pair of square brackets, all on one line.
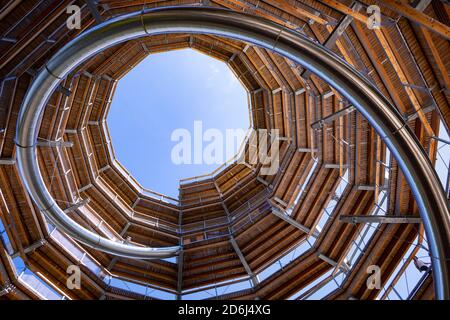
[(337, 32), (106, 77), (8, 162), (277, 212), (103, 169), (422, 5), (328, 94), (440, 140), (225, 208), (10, 40), (64, 90), (379, 219), (232, 57), (328, 119), (125, 229), (275, 91), (343, 267), (112, 263), (283, 203), (307, 150), (59, 143), (366, 188), (334, 166), (414, 115), (300, 91), (82, 189), (77, 205), (264, 182), (369, 187), (87, 74), (135, 203)]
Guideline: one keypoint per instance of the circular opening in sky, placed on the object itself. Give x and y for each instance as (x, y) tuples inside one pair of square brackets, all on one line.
[(176, 115)]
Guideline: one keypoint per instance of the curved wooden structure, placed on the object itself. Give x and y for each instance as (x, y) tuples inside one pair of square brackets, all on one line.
[(234, 225)]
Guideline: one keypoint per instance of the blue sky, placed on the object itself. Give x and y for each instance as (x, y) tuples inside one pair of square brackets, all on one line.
[(168, 91)]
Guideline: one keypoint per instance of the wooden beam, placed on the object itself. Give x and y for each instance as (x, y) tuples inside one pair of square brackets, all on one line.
[(415, 15), (8, 7), (437, 57), (55, 10), (239, 5), (345, 10), (332, 39), (295, 10), (381, 71), (403, 79)]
